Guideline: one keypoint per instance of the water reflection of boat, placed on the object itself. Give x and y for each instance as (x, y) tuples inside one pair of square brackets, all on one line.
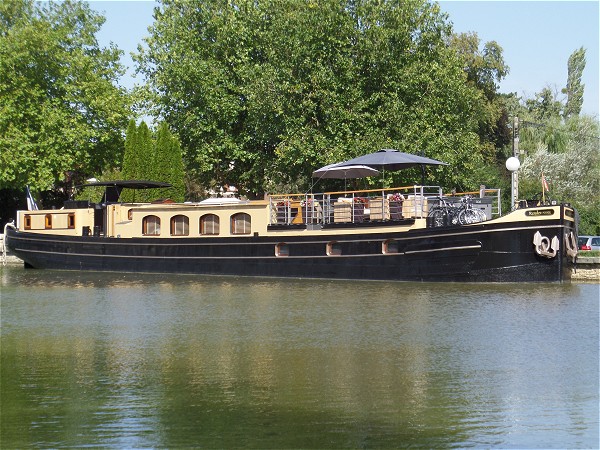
[(380, 234)]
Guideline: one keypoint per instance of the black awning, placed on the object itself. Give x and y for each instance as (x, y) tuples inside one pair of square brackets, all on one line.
[(114, 187), (130, 184)]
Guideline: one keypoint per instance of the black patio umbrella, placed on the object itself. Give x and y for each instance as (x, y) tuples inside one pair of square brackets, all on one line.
[(389, 159)]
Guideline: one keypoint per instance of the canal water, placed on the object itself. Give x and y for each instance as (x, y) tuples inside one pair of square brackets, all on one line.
[(152, 361)]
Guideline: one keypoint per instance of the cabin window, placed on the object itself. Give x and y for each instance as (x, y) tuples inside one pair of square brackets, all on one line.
[(389, 246), (71, 220), (48, 221), (240, 223), (282, 249), (129, 214), (27, 223), (209, 224), (151, 226), (334, 249), (180, 225)]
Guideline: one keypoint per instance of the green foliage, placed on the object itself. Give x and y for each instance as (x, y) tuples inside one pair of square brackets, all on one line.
[(262, 93), (132, 159), (147, 158), (168, 164), (485, 68), (573, 174), (60, 109), (94, 194), (575, 87)]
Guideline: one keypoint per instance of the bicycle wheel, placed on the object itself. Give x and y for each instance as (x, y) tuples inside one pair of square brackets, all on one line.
[(481, 215), (468, 216), (453, 213), (436, 217)]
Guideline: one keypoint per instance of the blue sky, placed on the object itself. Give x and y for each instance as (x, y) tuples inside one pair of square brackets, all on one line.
[(537, 38)]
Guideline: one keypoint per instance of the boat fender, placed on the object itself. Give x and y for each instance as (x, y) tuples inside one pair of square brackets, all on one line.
[(571, 245), (10, 224), (545, 247)]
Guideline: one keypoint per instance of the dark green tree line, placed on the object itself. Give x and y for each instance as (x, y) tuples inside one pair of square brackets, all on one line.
[(156, 158)]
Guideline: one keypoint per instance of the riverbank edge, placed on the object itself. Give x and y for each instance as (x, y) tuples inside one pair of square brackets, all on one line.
[(587, 269)]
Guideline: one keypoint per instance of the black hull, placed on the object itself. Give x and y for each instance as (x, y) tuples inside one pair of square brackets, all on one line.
[(501, 252)]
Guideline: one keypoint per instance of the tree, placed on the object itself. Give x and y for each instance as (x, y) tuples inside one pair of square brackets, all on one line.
[(575, 87), (168, 164), (60, 107), (131, 159), (156, 159), (138, 160), (545, 105), (573, 173), (485, 68), (262, 93)]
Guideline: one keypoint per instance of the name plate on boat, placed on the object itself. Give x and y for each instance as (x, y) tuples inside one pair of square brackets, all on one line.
[(540, 212)]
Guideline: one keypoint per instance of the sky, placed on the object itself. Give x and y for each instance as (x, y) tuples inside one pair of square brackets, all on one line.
[(537, 38)]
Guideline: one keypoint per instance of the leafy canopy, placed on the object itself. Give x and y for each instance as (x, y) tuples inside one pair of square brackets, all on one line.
[(262, 93), (60, 107)]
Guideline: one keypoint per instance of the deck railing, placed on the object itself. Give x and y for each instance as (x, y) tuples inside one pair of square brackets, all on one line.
[(369, 206)]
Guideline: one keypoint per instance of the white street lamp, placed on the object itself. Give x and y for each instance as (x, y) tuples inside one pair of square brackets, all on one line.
[(512, 165)]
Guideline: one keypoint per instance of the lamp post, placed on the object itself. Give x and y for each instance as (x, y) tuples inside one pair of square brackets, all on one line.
[(512, 165)]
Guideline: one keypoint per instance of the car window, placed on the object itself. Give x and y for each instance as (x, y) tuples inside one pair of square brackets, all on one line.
[(582, 240), (596, 241)]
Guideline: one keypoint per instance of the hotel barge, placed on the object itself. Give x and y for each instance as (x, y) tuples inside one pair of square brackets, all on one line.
[(384, 234)]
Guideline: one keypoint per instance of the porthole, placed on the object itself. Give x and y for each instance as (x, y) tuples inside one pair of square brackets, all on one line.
[(334, 248), (282, 249), (389, 246)]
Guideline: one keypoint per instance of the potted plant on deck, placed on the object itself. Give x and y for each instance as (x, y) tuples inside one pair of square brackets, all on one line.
[(396, 200)]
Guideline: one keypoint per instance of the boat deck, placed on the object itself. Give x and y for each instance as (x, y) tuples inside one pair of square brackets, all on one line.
[(375, 206)]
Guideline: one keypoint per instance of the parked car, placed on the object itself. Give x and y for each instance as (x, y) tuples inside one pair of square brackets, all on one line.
[(588, 243)]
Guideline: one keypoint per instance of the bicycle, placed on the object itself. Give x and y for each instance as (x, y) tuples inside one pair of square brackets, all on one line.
[(467, 214), (443, 214)]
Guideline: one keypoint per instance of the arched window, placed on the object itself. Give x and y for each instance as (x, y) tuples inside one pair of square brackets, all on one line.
[(240, 223), (180, 225), (151, 226), (209, 224)]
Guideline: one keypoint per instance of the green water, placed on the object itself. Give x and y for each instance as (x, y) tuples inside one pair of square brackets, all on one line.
[(132, 361)]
